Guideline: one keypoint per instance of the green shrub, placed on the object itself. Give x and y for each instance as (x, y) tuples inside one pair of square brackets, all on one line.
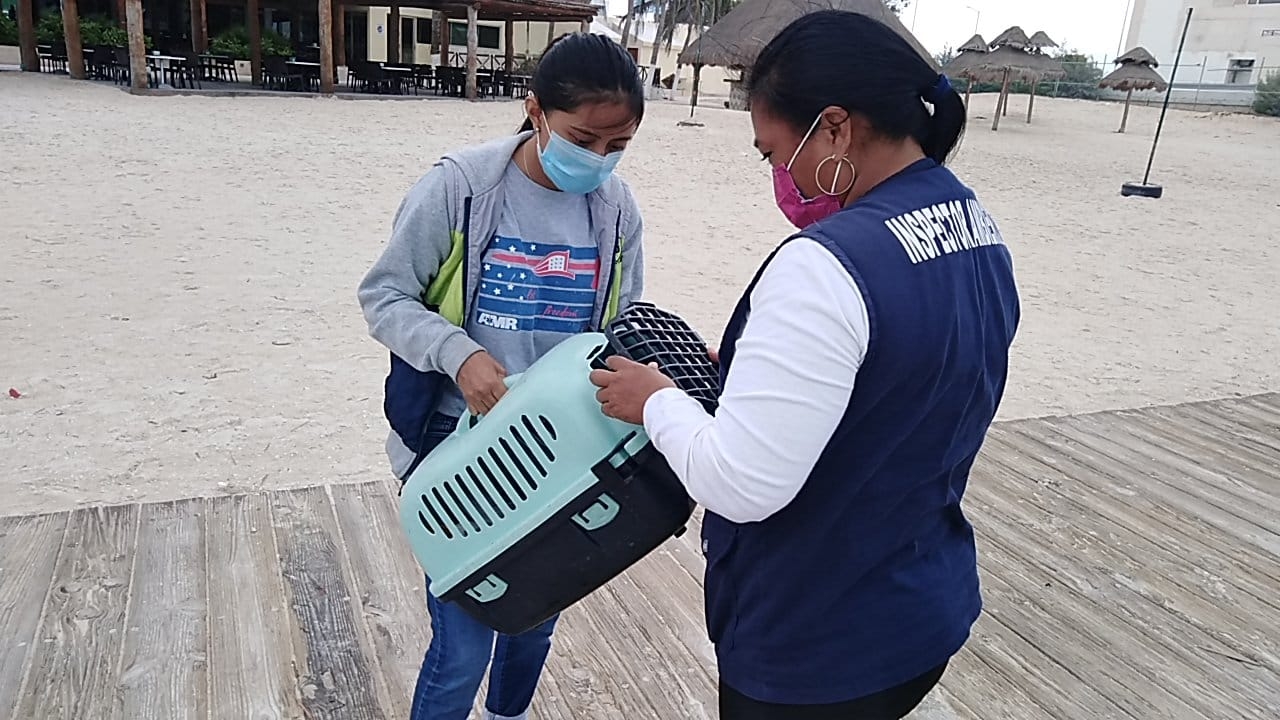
[(8, 30), (94, 31), (1267, 99), (49, 29), (235, 43), (101, 31)]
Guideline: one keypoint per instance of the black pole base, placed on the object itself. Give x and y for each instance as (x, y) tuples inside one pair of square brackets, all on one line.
[(1146, 190)]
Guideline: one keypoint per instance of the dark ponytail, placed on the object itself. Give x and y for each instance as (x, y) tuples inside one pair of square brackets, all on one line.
[(851, 61), (584, 68)]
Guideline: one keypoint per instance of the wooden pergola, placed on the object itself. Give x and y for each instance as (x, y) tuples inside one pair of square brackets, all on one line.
[(331, 36)]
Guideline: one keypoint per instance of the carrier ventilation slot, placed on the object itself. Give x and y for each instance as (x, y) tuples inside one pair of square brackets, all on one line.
[(495, 485)]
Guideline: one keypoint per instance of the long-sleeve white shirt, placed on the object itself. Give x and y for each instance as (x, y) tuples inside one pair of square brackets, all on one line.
[(788, 387)]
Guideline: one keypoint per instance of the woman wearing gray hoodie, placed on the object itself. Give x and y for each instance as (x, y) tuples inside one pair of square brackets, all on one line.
[(499, 253)]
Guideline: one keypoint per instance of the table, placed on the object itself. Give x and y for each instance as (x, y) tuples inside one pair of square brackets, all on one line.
[(162, 64)]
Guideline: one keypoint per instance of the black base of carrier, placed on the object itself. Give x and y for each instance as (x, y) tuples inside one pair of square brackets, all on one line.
[(627, 514)]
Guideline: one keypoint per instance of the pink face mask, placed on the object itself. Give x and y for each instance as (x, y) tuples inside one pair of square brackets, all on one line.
[(802, 211)]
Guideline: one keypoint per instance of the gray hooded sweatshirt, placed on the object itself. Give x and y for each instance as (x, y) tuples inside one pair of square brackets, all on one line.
[(462, 198)]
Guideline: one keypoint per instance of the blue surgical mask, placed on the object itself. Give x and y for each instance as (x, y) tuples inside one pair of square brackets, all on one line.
[(573, 168)]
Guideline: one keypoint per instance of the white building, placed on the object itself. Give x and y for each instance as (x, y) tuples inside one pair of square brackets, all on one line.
[(1231, 45)]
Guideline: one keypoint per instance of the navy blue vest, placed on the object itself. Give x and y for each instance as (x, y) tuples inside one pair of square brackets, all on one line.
[(869, 577)]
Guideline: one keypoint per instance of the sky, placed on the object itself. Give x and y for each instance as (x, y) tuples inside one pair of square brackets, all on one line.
[(1091, 26)]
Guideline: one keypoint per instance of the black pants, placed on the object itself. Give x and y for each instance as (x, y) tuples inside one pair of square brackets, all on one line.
[(890, 704)]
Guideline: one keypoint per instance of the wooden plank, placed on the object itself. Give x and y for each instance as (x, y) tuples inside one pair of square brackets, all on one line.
[(649, 687), (1252, 413), (1229, 446), (73, 669), (1235, 437), (1049, 687), (250, 658), (1166, 482), (388, 584), (28, 553), (1120, 500), (1101, 661), (672, 617), (336, 672), (164, 671), (1168, 452), (1269, 401), (971, 682), (1110, 592), (588, 671), (1082, 597), (1144, 545)]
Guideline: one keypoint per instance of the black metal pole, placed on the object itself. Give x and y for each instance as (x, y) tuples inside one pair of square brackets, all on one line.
[(1168, 94)]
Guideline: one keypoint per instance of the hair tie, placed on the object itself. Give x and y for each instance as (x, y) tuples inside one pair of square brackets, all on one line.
[(939, 92)]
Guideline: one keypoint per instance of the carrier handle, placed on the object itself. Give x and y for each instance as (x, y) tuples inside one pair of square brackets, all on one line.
[(468, 421)]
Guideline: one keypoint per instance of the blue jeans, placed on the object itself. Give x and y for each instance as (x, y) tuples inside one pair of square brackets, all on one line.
[(462, 649)]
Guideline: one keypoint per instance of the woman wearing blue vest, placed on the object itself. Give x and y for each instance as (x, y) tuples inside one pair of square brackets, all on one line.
[(861, 370), (498, 254)]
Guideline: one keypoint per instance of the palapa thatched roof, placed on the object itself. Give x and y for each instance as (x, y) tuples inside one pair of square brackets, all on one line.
[(739, 37), (1041, 40), (975, 44), (1013, 37), (961, 65), (1134, 76), (1022, 65), (1139, 56)]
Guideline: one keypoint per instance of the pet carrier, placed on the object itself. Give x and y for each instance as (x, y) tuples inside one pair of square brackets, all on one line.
[(521, 513)]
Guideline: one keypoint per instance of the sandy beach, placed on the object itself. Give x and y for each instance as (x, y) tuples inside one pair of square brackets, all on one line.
[(177, 275)]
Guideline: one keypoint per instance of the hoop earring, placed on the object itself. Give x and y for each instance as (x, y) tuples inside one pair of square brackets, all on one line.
[(840, 163)]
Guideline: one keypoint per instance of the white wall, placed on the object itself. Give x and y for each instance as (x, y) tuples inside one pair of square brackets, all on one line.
[(1221, 31), (528, 38)]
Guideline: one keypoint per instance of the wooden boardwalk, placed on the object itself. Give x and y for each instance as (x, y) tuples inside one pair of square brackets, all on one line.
[(1131, 564)]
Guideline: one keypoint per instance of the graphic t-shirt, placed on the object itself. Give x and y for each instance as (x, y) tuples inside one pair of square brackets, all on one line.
[(539, 278)]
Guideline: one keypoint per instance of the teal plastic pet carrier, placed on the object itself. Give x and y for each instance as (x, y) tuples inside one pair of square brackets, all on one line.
[(523, 512)]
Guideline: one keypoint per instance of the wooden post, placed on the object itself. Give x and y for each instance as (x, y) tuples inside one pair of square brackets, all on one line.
[(473, 49), (121, 15), (340, 37), (1004, 99), (255, 41), (438, 20), (71, 35), (697, 82), (137, 47), (27, 36), (199, 26), (1124, 121), (586, 25), (968, 93), (1031, 103), (446, 36), (551, 32), (324, 14), (509, 37), (393, 34)]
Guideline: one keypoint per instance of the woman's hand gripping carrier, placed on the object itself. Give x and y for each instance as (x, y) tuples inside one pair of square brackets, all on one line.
[(527, 510)]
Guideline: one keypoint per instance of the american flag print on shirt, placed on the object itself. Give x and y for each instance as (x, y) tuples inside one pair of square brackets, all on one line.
[(530, 286)]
